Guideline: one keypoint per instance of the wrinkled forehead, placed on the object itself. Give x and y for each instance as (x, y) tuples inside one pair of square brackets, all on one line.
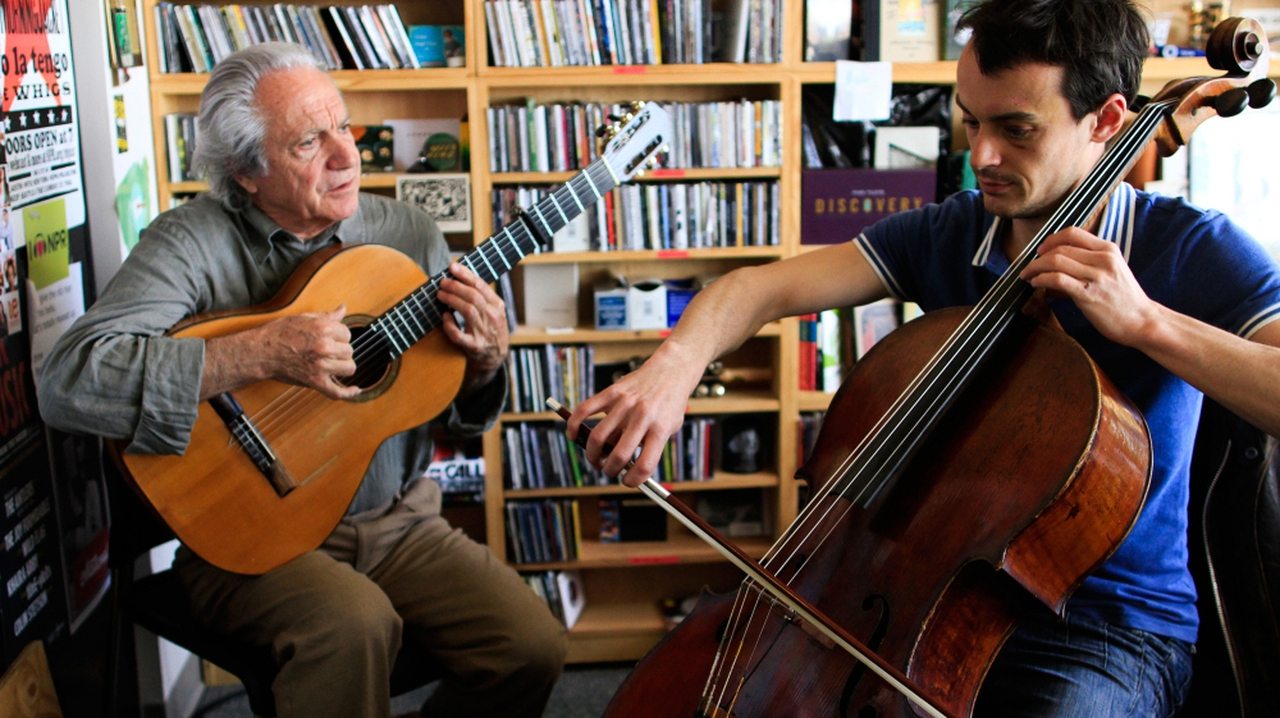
[(297, 102)]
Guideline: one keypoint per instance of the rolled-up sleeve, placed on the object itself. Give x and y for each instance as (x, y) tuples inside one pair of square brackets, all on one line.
[(114, 373)]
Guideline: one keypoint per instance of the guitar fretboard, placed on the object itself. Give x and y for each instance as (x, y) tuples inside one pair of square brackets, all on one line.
[(421, 311)]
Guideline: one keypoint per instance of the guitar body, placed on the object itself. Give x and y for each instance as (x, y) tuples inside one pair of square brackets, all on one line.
[(271, 468), (216, 500)]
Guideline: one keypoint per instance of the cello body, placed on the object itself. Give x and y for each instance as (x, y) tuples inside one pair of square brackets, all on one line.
[(1034, 476)]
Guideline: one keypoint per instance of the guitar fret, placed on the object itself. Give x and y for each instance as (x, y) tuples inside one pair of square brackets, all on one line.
[(616, 181), (421, 330), (503, 256), (563, 216), (492, 273), (514, 243), (574, 194), (594, 190), (546, 226), (391, 325)]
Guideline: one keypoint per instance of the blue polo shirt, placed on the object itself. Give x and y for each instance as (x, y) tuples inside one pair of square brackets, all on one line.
[(1193, 261)]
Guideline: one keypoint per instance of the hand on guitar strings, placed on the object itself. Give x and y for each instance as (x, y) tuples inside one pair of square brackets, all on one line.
[(311, 349), (482, 336)]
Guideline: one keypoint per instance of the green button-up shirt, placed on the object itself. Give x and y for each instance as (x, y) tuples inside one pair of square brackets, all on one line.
[(115, 374)]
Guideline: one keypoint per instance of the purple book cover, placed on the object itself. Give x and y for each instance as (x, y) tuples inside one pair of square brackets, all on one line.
[(838, 203)]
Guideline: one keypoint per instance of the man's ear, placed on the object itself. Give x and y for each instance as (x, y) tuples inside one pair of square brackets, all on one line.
[(247, 183), (1111, 118)]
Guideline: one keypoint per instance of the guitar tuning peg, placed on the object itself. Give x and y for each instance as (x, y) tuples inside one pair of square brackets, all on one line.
[(1261, 92), (1232, 102), (637, 105)]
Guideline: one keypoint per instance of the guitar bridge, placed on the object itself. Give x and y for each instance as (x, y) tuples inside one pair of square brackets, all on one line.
[(253, 443)]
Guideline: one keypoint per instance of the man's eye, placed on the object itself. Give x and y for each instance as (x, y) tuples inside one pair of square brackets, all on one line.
[(1018, 133)]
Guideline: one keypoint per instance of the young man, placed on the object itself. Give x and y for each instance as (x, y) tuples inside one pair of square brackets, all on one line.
[(1169, 300), (277, 149)]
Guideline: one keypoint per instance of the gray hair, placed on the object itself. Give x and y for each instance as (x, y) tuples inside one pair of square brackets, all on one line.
[(231, 129)]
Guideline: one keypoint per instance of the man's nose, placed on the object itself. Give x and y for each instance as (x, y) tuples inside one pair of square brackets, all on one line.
[(982, 151), (343, 153)]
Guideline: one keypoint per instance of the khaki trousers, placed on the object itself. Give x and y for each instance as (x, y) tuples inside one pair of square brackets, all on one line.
[(334, 624)]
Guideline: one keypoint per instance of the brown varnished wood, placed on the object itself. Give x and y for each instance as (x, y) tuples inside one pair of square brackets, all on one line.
[(213, 497), (1031, 481)]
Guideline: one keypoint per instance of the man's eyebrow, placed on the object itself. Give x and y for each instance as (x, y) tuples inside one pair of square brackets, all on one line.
[(1014, 116)]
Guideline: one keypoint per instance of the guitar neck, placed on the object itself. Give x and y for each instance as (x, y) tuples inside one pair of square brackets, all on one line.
[(421, 311)]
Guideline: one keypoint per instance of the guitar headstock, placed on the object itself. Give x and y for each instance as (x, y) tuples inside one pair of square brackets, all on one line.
[(1238, 47), (635, 139)]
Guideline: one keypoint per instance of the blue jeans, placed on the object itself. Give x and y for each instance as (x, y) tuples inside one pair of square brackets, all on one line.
[(1085, 667)]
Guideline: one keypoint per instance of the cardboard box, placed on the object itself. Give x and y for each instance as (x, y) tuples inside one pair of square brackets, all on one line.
[(611, 305), (551, 295), (679, 293), (647, 304)]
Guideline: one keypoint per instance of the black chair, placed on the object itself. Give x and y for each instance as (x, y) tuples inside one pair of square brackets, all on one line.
[(159, 603), (1235, 560)]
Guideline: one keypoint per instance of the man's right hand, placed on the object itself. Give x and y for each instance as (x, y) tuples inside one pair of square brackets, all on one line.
[(312, 349)]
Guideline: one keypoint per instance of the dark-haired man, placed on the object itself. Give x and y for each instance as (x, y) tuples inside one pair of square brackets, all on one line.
[(1169, 300)]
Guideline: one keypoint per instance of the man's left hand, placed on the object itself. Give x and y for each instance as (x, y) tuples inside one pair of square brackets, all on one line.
[(1093, 274), (484, 339)]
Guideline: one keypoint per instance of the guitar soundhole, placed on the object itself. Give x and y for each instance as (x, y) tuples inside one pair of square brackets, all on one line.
[(371, 366)]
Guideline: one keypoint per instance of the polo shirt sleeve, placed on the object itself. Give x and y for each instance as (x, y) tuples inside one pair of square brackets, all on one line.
[(908, 248), (1234, 283)]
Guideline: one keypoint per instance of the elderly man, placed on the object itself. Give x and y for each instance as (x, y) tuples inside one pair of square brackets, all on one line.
[(284, 175)]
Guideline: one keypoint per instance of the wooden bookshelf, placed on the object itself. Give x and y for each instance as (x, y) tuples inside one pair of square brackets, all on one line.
[(624, 583)]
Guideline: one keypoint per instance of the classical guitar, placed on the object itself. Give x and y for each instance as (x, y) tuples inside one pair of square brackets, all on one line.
[(272, 467)]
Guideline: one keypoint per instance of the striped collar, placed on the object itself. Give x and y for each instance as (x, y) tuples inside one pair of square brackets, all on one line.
[(1116, 225)]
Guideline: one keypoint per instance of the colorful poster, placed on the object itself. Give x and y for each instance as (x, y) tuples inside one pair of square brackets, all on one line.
[(42, 137)]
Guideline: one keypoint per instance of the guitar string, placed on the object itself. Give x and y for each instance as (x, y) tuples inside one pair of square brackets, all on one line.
[(1090, 192), (368, 344), (286, 405)]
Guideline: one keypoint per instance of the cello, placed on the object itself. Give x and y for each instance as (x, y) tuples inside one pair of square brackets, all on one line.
[(952, 489)]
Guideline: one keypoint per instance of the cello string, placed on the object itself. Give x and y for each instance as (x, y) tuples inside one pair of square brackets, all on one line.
[(1005, 294)]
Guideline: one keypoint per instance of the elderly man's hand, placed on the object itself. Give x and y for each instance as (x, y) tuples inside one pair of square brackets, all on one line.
[(484, 339)]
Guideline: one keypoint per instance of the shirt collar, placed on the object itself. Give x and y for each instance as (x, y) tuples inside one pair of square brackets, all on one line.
[(1116, 225), (266, 232)]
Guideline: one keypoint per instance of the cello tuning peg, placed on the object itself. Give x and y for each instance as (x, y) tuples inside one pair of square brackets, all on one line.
[(1261, 92), (1232, 102)]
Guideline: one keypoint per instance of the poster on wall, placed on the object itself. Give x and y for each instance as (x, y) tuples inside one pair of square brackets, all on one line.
[(53, 530), (32, 605)]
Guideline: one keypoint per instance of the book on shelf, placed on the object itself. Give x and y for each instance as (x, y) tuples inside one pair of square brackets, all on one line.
[(563, 592), (551, 295), (376, 145), (124, 38), (624, 520), (873, 322), (909, 31), (438, 45), (180, 142), (837, 204), (828, 30), (543, 531), (736, 513), (461, 477), (411, 140), (194, 37)]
